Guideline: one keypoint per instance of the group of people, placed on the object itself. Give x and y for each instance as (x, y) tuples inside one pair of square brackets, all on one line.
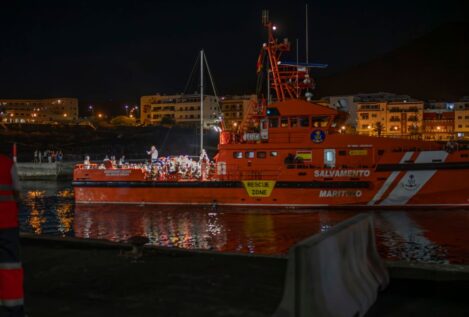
[(162, 168), (48, 156), (180, 167)]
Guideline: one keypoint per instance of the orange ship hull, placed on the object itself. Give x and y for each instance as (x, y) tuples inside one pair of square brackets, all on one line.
[(239, 197), (442, 184)]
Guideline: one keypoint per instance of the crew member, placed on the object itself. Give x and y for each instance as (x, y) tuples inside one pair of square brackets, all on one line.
[(153, 154), (121, 161), (86, 162), (11, 271)]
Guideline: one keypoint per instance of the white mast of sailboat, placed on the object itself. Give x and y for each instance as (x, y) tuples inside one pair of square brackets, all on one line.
[(201, 100)]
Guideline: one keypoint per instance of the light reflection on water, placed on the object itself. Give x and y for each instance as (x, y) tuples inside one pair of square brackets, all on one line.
[(432, 236)]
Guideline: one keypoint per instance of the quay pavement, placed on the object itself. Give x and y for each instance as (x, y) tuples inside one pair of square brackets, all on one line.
[(72, 277)]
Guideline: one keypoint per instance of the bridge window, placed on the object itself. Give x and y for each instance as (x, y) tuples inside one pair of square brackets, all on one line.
[(261, 155), (319, 122), (304, 122), (238, 155), (249, 154), (293, 122), (284, 122), (273, 122), (274, 153)]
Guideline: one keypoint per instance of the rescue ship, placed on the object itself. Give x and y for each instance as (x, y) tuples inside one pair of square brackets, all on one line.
[(291, 153)]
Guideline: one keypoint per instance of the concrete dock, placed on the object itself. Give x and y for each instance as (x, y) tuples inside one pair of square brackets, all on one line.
[(72, 277), (45, 171)]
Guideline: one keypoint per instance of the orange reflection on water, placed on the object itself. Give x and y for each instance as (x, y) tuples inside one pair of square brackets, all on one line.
[(35, 194), (65, 193), (36, 219), (417, 235), (64, 212), (233, 230)]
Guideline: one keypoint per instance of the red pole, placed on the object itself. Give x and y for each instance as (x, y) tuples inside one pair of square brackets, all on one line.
[(14, 152)]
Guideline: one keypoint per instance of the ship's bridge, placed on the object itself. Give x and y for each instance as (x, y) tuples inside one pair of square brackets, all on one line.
[(290, 121)]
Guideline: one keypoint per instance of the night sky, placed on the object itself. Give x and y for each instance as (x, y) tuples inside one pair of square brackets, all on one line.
[(112, 52)]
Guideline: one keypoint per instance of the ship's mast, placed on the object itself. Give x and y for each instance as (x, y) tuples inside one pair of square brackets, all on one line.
[(201, 100), (288, 79)]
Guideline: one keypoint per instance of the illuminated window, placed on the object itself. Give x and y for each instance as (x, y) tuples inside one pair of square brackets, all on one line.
[(250, 154), (284, 122), (274, 153), (329, 158), (364, 116), (238, 155), (293, 122), (320, 122)]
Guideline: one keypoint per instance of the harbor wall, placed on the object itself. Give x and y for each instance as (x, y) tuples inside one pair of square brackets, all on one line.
[(45, 171), (334, 273)]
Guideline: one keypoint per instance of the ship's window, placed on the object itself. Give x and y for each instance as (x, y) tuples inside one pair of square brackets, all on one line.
[(273, 122), (342, 153), (274, 153), (261, 155), (329, 158), (319, 122), (238, 155), (284, 122), (249, 154), (380, 152), (293, 122), (304, 122)]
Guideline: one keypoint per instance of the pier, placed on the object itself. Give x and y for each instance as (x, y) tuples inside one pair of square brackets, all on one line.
[(45, 171), (76, 277)]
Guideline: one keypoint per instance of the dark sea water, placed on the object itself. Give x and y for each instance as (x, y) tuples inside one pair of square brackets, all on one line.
[(430, 236)]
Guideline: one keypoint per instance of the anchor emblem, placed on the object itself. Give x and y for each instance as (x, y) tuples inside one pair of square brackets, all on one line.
[(411, 183)]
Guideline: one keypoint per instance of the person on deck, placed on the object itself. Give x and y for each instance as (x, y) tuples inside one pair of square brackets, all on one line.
[(121, 161), (11, 271), (86, 162), (153, 154)]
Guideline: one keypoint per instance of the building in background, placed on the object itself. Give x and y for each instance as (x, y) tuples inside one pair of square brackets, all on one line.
[(371, 117), (178, 109), (350, 103), (234, 108), (39, 111), (438, 125), (402, 118), (439, 121), (461, 119)]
